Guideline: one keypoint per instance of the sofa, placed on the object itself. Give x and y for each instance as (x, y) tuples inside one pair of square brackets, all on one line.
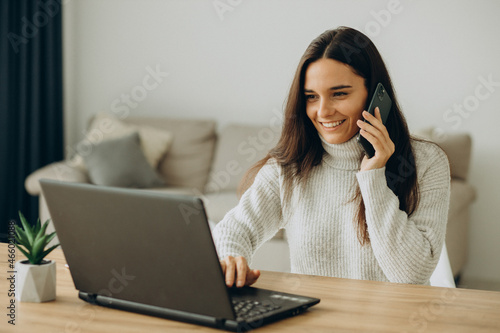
[(209, 162)]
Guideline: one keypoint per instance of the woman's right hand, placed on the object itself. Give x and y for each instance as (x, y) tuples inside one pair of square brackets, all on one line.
[(237, 270)]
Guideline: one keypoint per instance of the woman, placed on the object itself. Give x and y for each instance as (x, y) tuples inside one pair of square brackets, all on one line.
[(346, 215)]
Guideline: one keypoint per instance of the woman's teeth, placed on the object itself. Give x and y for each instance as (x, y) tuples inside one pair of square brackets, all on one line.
[(334, 124)]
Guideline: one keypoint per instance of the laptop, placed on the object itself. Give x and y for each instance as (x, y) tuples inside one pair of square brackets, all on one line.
[(153, 253)]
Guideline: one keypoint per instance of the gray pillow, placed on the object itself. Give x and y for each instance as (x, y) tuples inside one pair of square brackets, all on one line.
[(121, 162)]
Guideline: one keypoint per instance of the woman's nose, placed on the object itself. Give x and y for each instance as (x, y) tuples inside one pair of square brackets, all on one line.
[(326, 109)]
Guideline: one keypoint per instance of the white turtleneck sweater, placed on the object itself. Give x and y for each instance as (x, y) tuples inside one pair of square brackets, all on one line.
[(319, 220)]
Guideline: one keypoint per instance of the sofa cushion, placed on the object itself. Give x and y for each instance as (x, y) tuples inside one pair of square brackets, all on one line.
[(217, 204), (121, 162), (188, 160), (105, 126), (61, 171), (457, 147), (238, 148), (174, 190)]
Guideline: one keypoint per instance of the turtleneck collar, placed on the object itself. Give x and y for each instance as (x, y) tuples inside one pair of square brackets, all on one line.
[(346, 156)]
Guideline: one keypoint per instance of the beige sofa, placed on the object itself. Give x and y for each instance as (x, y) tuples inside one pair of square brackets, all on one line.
[(208, 162)]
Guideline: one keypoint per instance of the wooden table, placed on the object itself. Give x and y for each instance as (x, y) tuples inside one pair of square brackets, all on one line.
[(346, 306)]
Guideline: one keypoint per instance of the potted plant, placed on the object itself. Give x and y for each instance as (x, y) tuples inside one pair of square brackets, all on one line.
[(36, 277)]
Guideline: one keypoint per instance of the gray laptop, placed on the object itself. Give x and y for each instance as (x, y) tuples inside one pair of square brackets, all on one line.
[(153, 253)]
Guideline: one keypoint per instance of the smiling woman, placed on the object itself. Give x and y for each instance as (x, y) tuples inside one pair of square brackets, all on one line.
[(346, 215), (335, 98)]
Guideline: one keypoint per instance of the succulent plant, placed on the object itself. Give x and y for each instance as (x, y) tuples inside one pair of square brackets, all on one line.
[(34, 240)]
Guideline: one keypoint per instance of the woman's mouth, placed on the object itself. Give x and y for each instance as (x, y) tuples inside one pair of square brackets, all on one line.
[(332, 124)]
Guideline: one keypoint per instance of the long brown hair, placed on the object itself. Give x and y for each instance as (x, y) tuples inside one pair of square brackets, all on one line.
[(299, 149)]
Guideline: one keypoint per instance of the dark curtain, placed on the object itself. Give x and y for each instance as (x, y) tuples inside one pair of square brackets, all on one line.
[(31, 115)]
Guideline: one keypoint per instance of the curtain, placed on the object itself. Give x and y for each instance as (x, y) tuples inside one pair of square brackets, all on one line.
[(31, 114)]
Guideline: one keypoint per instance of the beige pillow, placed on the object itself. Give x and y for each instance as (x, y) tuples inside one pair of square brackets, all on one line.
[(187, 162), (154, 142)]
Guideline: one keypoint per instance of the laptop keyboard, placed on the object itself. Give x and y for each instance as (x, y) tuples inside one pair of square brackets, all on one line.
[(247, 309)]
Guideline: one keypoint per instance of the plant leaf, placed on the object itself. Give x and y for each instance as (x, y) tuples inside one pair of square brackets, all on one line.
[(46, 252), (36, 228), (40, 233), (18, 246), (27, 228), (21, 236), (44, 228), (19, 232), (30, 258), (38, 260), (50, 237), (38, 246)]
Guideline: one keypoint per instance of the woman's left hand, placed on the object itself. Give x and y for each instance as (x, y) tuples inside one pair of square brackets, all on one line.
[(376, 133)]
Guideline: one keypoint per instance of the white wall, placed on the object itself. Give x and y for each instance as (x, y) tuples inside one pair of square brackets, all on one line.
[(237, 67)]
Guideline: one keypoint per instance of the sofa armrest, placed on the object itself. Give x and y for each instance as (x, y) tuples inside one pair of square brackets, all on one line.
[(62, 171)]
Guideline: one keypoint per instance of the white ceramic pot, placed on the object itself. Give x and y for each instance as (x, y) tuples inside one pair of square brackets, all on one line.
[(35, 283)]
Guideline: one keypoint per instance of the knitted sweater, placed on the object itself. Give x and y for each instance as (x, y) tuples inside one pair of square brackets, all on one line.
[(319, 220)]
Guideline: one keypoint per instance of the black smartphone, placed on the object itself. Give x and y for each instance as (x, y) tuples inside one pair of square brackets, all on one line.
[(381, 100)]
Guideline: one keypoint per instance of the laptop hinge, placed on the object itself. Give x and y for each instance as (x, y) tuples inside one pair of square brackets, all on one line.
[(156, 311), (91, 298)]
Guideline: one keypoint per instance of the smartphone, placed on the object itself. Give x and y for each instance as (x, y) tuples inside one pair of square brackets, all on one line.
[(381, 100)]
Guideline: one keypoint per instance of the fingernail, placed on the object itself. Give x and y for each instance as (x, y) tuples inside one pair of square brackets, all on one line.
[(239, 284)]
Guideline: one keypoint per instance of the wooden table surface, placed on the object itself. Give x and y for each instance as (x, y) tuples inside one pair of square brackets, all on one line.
[(346, 306)]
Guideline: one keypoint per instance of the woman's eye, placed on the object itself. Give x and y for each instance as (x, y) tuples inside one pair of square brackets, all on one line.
[(339, 93), (310, 97)]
